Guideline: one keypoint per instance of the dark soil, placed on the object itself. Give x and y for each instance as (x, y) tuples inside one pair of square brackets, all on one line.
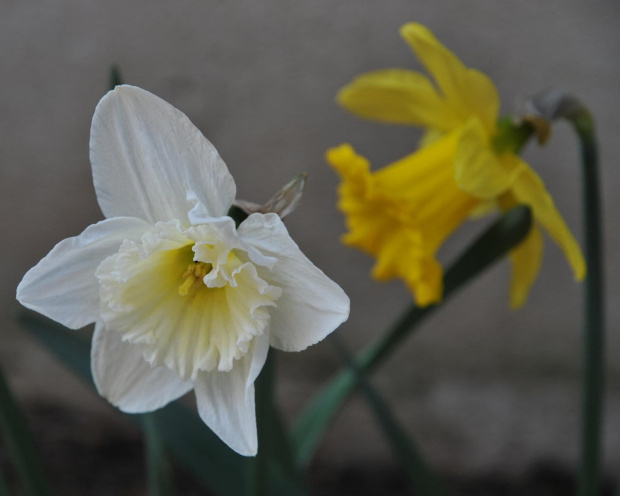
[(543, 480), (97, 455)]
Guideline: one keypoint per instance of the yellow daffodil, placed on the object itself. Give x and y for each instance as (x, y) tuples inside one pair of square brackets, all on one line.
[(181, 298), (402, 213)]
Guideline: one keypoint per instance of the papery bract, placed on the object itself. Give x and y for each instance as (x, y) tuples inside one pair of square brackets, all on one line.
[(402, 213), (181, 298)]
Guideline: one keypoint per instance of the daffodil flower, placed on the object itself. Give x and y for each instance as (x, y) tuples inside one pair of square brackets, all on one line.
[(181, 298), (403, 213)]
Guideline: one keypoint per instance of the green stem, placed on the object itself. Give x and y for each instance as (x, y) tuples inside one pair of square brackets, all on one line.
[(159, 471), (237, 214), (594, 342), (114, 78), (258, 481), (554, 104)]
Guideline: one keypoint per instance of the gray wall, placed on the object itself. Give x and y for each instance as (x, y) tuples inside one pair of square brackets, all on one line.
[(483, 388)]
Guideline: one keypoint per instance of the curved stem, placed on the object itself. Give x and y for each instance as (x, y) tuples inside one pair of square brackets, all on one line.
[(555, 104), (594, 345)]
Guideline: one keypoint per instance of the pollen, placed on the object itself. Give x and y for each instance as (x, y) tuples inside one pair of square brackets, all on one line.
[(192, 277)]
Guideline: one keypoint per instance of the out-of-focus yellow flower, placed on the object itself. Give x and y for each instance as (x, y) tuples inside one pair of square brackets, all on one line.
[(403, 213)]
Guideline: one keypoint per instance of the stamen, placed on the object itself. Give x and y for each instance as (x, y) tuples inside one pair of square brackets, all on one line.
[(193, 277)]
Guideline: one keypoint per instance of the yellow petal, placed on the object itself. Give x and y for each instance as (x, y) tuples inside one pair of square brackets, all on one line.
[(477, 169), (529, 188), (402, 213), (467, 91), (430, 136), (483, 209), (366, 221), (526, 260), (427, 288), (398, 96), (427, 164)]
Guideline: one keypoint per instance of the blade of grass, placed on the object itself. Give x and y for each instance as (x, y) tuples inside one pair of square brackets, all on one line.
[(421, 479), (20, 444), (159, 471), (506, 233)]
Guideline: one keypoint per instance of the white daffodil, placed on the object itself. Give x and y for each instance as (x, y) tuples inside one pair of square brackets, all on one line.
[(180, 298)]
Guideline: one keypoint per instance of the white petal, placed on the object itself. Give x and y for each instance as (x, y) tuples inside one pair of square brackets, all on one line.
[(160, 294), (311, 305), (126, 380), (63, 285), (226, 400), (227, 231), (146, 156), (257, 358)]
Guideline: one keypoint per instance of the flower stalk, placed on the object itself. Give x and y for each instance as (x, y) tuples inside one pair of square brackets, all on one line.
[(594, 360), (555, 104), (258, 480), (159, 470)]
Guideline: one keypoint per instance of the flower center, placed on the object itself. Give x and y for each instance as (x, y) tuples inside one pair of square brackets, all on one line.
[(193, 299), (193, 277)]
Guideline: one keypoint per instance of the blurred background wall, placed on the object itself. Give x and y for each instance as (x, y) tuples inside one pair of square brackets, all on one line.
[(482, 388)]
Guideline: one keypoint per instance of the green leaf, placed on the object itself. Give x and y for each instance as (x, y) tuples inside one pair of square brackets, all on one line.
[(421, 478), (158, 467), (493, 244), (20, 444), (192, 443)]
